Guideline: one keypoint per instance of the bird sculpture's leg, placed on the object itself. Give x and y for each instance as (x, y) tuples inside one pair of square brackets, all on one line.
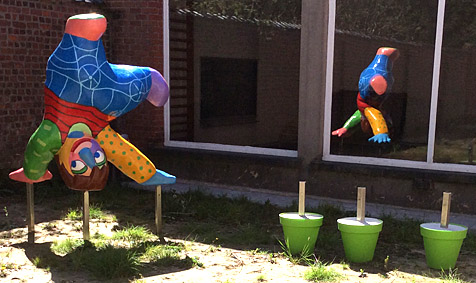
[(353, 121), (130, 160), (40, 150), (378, 124)]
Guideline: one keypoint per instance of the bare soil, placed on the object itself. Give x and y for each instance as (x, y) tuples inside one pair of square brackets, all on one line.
[(218, 263)]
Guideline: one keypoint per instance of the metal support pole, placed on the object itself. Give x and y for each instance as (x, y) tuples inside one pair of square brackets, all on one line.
[(30, 211), (86, 216)]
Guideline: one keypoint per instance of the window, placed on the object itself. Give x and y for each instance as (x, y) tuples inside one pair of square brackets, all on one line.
[(228, 91), (456, 111), (233, 75), (431, 98)]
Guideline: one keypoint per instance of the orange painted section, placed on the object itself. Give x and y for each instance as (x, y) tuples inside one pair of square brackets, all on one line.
[(392, 53), (379, 84), (90, 29)]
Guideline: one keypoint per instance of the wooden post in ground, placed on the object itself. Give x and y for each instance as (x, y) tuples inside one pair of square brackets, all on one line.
[(30, 211), (86, 216), (302, 198), (445, 210), (361, 203), (158, 210)]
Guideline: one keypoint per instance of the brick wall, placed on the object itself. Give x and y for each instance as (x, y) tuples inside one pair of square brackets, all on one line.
[(31, 30)]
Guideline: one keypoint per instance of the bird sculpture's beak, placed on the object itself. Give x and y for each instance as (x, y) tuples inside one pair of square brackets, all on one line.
[(87, 157), (379, 84)]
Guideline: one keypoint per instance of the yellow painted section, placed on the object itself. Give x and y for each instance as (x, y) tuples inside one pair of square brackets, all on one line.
[(376, 120), (125, 156)]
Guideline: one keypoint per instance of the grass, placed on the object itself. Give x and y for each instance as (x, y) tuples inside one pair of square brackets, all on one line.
[(397, 231), (134, 235), (49, 226), (261, 278), (66, 246), (223, 210), (304, 257), (212, 232), (232, 221), (95, 212), (321, 272), (452, 276), (74, 214), (108, 262), (108, 258), (222, 222), (195, 261), (5, 268), (469, 243), (162, 254), (39, 262)]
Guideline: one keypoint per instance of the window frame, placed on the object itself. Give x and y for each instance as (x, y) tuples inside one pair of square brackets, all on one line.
[(429, 163), (201, 145)]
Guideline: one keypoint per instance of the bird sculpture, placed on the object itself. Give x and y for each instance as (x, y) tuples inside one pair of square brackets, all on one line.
[(83, 94), (375, 84)]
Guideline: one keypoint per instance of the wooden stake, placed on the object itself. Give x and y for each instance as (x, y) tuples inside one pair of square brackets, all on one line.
[(158, 210), (361, 203), (30, 211), (302, 198), (86, 216), (445, 210)]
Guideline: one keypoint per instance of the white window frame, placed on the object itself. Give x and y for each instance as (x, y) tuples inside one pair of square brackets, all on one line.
[(201, 145), (429, 164)]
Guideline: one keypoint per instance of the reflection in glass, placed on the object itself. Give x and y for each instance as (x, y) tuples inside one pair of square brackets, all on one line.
[(455, 127), (362, 27), (234, 72)]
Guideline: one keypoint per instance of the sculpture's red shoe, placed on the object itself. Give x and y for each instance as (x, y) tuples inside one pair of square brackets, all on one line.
[(20, 176)]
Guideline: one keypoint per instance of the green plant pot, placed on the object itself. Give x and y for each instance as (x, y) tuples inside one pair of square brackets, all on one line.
[(300, 232), (359, 238), (442, 245)]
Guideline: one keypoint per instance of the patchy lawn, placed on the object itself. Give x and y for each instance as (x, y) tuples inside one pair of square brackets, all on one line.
[(207, 239)]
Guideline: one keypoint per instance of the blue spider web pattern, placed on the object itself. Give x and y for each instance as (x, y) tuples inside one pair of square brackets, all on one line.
[(381, 65), (78, 72)]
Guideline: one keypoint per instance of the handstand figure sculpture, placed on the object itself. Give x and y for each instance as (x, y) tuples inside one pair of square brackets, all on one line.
[(375, 84), (83, 93)]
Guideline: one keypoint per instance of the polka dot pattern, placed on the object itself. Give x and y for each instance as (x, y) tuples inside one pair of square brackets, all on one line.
[(125, 156), (376, 120)]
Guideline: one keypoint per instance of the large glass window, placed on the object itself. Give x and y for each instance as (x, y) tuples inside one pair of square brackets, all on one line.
[(361, 28), (455, 127), (234, 74), (428, 111), (228, 91)]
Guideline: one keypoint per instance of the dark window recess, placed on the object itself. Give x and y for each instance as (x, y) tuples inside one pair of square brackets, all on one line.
[(228, 91)]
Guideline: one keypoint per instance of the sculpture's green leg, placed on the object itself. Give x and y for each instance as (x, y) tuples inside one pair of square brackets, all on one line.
[(41, 148), (353, 121)]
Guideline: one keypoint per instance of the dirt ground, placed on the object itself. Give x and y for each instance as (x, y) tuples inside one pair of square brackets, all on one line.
[(218, 264)]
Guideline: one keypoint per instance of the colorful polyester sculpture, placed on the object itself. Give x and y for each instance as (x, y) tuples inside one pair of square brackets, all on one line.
[(83, 93), (375, 84)]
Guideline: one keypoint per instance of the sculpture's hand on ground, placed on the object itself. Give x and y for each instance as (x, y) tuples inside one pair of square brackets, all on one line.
[(19, 176), (380, 138), (340, 132), (160, 178)]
